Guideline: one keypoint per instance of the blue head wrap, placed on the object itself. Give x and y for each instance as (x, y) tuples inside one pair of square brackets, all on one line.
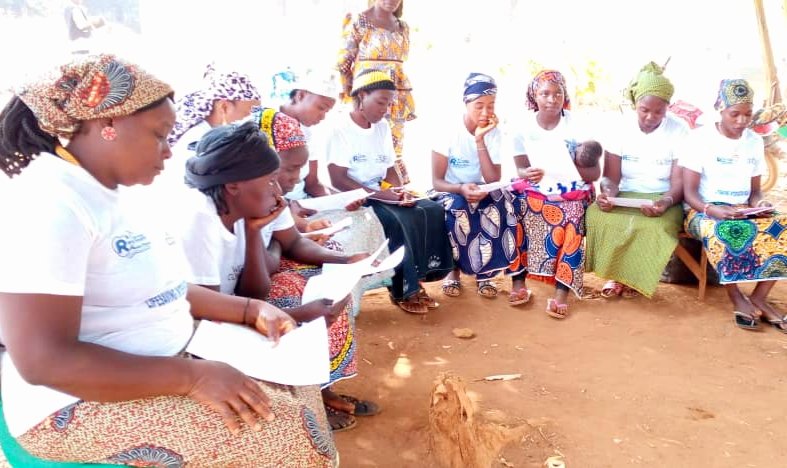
[(477, 85)]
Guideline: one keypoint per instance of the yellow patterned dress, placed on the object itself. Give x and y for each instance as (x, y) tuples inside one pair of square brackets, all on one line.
[(367, 46)]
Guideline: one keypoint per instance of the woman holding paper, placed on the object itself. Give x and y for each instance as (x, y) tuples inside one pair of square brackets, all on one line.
[(96, 311), (556, 192), (631, 246), (722, 170), (360, 155), (483, 227), (226, 239)]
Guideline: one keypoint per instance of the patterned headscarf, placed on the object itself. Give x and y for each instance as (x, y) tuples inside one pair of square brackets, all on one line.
[(477, 85), (93, 87), (195, 107), (283, 131), (733, 92), (547, 76), (650, 81), (370, 80)]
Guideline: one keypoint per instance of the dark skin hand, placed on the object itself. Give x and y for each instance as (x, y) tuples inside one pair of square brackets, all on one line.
[(48, 332), (611, 181)]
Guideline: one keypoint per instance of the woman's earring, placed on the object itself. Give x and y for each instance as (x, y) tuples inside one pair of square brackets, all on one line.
[(109, 133)]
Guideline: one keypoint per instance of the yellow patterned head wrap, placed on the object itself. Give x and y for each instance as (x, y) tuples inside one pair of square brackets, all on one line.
[(650, 81), (371, 79), (732, 92)]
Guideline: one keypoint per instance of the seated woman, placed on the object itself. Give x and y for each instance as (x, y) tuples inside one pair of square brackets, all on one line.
[(557, 193), (224, 98), (98, 289), (226, 248), (721, 178), (629, 246), (361, 155), (483, 227)]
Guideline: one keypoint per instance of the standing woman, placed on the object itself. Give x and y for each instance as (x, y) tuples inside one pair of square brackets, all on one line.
[(722, 170), (360, 155), (379, 39), (630, 247), (554, 216), (99, 289), (485, 233)]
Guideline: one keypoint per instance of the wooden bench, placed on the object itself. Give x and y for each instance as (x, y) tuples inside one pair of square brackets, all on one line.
[(698, 269)]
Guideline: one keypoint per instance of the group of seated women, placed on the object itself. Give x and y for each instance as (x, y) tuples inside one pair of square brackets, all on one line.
[(108, 288)]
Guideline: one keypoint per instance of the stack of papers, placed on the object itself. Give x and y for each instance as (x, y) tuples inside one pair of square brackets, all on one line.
[(338, 280), (337, 201), (630, 202), (756, 211), (300, 358), (494, 186), (330, 230)]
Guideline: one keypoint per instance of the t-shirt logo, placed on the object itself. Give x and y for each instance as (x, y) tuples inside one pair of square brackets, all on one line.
[(129, 244), (382, 158), (458, 163), (359, 158)]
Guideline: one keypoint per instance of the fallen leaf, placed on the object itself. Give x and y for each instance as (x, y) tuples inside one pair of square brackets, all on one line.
[(506, 463), (464, 333), (391, 345)]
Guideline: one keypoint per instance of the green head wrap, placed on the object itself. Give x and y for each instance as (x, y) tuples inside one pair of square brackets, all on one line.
[(650, 81)]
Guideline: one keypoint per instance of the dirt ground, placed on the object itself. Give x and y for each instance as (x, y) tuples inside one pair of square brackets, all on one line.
[(669, 382)]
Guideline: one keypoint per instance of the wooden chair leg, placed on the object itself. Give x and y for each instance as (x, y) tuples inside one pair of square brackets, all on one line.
[(704, 279)]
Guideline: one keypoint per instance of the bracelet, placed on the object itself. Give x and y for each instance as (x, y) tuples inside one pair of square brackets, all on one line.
[(482, 150), (705, 209), (759, 203), (246, 310)]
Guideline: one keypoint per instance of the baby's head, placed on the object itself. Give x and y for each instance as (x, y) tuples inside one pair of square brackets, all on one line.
[(588, 153)]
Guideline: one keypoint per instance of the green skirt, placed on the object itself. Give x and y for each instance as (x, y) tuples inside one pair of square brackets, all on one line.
[(628, 247)]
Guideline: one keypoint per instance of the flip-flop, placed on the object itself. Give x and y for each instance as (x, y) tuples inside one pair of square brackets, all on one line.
[(520, 296), (410, 307), (590, 293), (487, 289), (745, 321), (331, 412), (426, 300), (556, 310), (629, 293), (611, 289), (779, 324), (452, 288), (362, 407)]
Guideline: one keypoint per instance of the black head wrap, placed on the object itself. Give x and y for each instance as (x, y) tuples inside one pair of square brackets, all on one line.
[(231, 153)]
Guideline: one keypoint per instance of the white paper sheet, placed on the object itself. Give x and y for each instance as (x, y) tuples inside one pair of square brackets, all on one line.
[(630, 202), (332, 229), (336, 201), (559, 169), (300, 358), (494, 186)]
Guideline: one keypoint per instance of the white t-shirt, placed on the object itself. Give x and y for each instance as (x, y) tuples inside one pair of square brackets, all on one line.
[(646, 158), (66, 234), (367, 153), (215, 255), (459, 147), (299, 192), (550, 150), (726, 166)]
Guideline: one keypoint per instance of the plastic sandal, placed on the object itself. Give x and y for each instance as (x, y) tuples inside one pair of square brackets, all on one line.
[(452, 288), (487, 289), (611, 289), (519, 297), (555, 310)]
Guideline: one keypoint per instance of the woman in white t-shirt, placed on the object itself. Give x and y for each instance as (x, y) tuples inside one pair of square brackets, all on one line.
[(226, 240), (723, 164), (554, 215), (629, 246), (483, 226), (361, 156), (96, 310)]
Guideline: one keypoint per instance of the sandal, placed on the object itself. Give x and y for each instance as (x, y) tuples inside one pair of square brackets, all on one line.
[(589, 293), (629, 293), (520, 296), (339, 420), (426, 300), (779, 324), (452, 288), (410, 306), (362, 407), (487, 289), (555, 310), (745, 321), (611, 288)]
